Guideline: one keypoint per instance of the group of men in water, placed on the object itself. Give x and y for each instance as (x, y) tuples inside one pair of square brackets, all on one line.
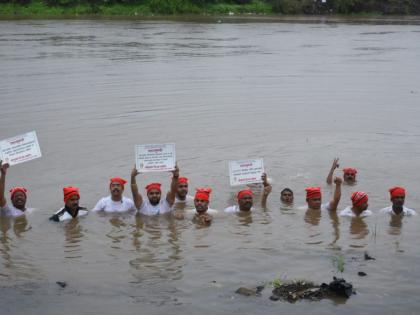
[(177, 198)]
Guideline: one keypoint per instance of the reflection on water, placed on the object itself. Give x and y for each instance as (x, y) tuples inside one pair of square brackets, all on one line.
[(395, 224), (160, 256), (74, 234)]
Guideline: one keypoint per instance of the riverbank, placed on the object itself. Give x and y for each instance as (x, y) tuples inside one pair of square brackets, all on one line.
[(254, 11)]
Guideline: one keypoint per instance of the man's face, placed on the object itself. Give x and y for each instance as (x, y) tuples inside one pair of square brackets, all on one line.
[(201, 205), (182, 190), (364, 206), (286, 197), (116, 189), (245, 203), (398, 201), (314, 203), (19, 200), (154, 196), (73, 203), (349, 177)]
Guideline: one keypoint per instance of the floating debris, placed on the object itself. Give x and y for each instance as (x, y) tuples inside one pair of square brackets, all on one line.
[(362, 273), (246, 291), (368, 257), (299, 290), (62, 284)]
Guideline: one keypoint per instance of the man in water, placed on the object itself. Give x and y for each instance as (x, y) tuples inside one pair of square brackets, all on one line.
[(246, 198), (154, 204), (398, 199), (314, 197), (349, 174), (71, 207), (286, 197), (17, 196), (115, 202), (201, 203), (182, 199), (359, 206)]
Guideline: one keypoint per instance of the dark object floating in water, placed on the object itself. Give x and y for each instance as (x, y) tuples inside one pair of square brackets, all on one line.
[(62, 284), (246, 291), (250, 292), (362, 273), (368, 257), (298, 290)]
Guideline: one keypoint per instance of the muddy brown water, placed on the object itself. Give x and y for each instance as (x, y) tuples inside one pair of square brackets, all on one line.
[(296, 95)]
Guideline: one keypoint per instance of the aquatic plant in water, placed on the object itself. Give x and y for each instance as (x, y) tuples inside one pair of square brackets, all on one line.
[(338, 263)]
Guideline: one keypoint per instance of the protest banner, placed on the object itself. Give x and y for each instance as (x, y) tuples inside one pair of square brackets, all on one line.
[(19, 149), (244, 172), (155, 157)]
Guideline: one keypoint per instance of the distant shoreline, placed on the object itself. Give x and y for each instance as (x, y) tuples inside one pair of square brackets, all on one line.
[(254, 11), (237, 18)]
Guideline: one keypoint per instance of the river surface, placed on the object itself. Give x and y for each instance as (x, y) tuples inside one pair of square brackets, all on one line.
[(297, 95)]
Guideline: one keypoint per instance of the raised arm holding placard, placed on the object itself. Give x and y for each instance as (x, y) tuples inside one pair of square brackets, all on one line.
[(154, 205)]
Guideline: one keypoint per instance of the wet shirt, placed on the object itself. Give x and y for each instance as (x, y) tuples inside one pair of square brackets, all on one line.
[(162, 207), (235, 209), (347, 212), (324, 207), (63, 215), (209, 211), (406, 211), (108, 205), (187, 203), (11, 211)]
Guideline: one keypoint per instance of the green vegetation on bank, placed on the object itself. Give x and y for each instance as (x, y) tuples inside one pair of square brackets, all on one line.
[(23, 8)]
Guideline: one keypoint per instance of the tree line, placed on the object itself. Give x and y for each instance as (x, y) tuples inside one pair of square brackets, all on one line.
[(311, 7)]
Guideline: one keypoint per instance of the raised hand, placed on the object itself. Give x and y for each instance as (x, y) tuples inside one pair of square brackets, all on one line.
[(134, 172), (175, 172), (3, 167)]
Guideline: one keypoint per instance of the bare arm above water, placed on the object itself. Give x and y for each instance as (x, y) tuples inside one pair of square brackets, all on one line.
[(137, 198), (337, 194), (331, 173), (3, 171), (170, 196), (266, 191)]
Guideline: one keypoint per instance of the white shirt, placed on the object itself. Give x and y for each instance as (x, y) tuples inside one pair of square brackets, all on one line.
[(187, 202), (235, 209), (324, 206), (406, 211), (148, 209), (108, 205), (11, 211), (64, 215), (209, 211), (347, 212)]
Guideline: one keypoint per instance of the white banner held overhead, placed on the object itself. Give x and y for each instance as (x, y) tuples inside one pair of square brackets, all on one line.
[(245, 172), (155, 157), (19, 149)]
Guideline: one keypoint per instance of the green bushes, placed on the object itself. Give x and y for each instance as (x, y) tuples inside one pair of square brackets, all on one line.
[(170, 7)]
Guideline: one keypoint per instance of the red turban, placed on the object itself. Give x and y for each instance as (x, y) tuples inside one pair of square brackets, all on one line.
[(153, 186), (313, 192), (350, 170), (119, 180), (358, 198), (397, 191), (14, 190), (70, 192), (243, 193), (182, 180), (203, 193)]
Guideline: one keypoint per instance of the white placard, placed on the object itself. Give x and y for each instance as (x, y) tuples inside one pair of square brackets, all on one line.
[(19, 149), (155, 157), (245, 172)]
